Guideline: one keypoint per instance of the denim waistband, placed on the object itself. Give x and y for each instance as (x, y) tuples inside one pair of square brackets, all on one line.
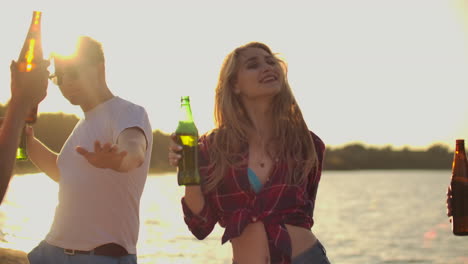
[(316, 253)]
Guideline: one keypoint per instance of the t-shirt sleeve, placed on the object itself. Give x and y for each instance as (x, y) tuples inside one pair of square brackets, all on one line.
[(131, 116)]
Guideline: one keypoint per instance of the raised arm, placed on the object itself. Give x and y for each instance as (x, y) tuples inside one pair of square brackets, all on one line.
[(10, 131), (27, 90), (44, 158)]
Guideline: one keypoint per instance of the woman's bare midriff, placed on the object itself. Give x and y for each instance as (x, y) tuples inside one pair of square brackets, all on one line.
[(252, 245)]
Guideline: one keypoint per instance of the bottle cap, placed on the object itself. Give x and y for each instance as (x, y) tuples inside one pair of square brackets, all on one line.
[(460, 141)]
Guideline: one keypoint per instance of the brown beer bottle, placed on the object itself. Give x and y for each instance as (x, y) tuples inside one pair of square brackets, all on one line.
[(459, 186), (31, 54), (187, 137)]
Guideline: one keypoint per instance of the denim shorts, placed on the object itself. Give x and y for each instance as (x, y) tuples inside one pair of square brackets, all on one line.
[(314, 255), (46, 253)]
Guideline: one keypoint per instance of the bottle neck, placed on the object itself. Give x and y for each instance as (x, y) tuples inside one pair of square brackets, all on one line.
[(460, 148), (186, 124), (36, 21), (31, 53), (188, 112), (460, 162)]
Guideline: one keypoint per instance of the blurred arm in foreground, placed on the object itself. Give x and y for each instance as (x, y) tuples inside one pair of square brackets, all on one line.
[(27, 90)]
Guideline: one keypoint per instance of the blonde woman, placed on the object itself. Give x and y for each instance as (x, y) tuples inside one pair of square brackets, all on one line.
[(260, 166)]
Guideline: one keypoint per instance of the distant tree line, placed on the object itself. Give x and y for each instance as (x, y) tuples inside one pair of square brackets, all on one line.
[(358, 157), (54, 128)]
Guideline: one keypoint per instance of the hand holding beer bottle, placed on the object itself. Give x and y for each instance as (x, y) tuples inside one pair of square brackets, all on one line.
[(183, 154), (186, 135), (31, 56), (27, 90), (457, 194), (29, 77)]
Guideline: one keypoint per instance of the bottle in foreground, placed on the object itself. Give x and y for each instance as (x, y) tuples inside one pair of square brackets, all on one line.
[(31, 54), (459, 186), (21, 153), (187, 137)]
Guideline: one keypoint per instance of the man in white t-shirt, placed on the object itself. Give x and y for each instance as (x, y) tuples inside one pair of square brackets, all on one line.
[(101, 169)]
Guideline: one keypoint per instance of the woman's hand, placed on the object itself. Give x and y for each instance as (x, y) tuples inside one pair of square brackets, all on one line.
[(174, 150)]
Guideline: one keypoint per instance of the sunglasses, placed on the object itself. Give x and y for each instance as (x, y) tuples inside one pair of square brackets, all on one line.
[(72, 73)]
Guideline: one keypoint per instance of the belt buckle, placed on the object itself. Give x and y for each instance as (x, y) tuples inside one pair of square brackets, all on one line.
[(70, 252)]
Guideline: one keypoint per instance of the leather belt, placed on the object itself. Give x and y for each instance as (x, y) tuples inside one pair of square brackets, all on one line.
[(108, 250)]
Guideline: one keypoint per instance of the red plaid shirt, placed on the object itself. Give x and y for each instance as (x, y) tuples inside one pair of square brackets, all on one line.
[(234, 204)]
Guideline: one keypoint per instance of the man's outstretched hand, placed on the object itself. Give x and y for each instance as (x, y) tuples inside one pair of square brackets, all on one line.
[(106, 156)]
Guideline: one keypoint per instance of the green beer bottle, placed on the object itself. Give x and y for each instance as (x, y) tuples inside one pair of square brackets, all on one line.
[(187, 137), (21, 153)]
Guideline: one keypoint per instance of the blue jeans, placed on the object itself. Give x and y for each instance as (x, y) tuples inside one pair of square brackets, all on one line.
[(316, 255), (46, 253)]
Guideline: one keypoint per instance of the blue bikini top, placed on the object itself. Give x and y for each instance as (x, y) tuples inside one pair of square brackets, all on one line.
[(254, 180)]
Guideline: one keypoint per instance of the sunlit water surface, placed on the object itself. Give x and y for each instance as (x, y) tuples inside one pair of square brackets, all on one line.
[(360, 217)]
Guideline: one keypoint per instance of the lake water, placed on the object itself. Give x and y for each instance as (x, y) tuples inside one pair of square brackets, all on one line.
[(361, 217)]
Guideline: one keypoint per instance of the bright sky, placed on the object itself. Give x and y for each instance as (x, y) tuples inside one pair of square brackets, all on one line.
[(378, 72)]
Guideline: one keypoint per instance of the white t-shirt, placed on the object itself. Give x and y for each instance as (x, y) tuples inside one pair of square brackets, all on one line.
[(99, 206)]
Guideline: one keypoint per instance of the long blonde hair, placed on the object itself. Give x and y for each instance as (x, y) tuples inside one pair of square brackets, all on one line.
[(291, 141)]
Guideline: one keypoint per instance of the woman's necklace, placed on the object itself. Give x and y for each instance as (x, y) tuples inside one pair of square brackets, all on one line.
[(263, 153), (262, 164), (262, 156)]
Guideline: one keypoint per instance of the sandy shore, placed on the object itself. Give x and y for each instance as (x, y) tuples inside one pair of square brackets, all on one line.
[(10, 256)]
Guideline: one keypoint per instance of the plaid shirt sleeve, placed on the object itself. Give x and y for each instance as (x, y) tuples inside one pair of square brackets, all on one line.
[(203, 223), (200, 224)]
